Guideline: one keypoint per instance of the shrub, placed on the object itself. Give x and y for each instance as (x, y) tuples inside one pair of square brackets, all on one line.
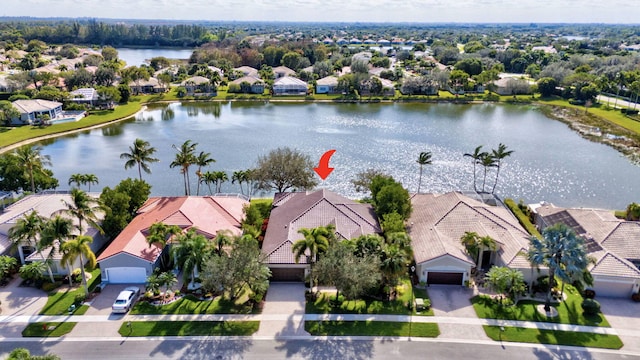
[(589, 293), (80, 298), (590, 307), (48, 286)]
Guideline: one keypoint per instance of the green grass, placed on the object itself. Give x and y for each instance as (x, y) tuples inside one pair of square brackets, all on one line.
[(371, 328), (191, 305), (12, 135), (553, 337), (189, 328), (569, 311), (522, 218), (36, 329), (399, 306), (59, 302)]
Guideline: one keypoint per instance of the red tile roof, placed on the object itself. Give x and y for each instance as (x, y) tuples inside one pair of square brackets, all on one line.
[(208, 214)]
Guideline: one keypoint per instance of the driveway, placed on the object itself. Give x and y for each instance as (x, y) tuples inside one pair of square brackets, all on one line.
[(101, 305), (453, 301), (624, 316), (19, 301), (283, 298)]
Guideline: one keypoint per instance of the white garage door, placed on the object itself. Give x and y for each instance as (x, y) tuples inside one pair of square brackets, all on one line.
[(612, 289), (126, 275)]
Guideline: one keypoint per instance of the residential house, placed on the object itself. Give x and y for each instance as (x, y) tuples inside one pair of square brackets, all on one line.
[(247, 71), (86, 96), (297, 210), (511, 86), (249, 84), (327, 85), (367, 87), (439, 221), (289, 86), (150, 86), (282, 71), (131, 259), (612, 242), (47, 206), (199, 86), (32, 111)]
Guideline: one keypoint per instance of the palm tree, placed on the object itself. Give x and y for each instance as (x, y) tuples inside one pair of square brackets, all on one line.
[(223, 238), (498, 155), (140, 154), (561, 251), (167, 279), (394, 264), (485, 243), (208, 178), (475, 245), (159, 234), (83, 207), (79, 248), (315, 241), (190, 252), (423, 159), (476, 156), (240, 176), (26, 231), (203, 159), (77, 179), (487, 161), (90, 179), (31, 159), (184, 158), (55, 232), (220, 177)]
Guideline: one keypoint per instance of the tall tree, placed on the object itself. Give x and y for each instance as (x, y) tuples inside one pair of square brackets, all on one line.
[(190, 251), (240, 176), (283, 169), (475, 245), (160, 234), (315, 241), (506, 281), (499, 154), (79, 248), (140, 154), (77, 179), (476, 158), (423, 159), (561, 251), (27, 231), (84, 208), (487, 161), (32, 160), (55, 232), (220, 178), (89, 179), (203, 159), (184, 158)]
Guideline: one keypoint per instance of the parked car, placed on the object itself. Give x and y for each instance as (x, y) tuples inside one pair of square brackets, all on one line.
[(125, 299)]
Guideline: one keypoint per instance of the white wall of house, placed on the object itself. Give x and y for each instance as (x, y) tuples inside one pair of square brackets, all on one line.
[(124, 261), (443, 264)]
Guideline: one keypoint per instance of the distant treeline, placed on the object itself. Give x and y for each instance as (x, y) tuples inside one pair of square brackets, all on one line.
[(115, 34)]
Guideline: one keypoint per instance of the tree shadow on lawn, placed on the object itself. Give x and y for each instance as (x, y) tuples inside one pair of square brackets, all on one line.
[(328, 349)]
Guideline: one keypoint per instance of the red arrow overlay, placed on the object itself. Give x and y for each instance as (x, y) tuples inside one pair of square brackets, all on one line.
[(323, 170)]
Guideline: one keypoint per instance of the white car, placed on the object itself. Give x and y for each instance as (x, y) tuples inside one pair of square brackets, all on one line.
[(125, 300)]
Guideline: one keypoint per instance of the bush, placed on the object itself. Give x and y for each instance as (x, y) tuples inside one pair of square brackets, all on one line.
[(590, 307), (48, 286), (79, 299), (589, 293)]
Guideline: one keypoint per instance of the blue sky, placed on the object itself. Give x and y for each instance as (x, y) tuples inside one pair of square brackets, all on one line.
[(524, 11)]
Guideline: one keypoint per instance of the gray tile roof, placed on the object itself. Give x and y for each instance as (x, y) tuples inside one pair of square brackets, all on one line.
[(611, 265), (439, 221), (294, 211), (29, 106)]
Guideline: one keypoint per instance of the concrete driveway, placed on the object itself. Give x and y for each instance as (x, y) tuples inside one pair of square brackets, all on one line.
[(101, 304), (453, 301), (624, 316), (18, 300), (283, 298)]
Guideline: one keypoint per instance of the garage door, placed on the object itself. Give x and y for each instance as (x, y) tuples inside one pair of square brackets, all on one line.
[(612, 289), (447, 278), (279, 274), (126, 275)]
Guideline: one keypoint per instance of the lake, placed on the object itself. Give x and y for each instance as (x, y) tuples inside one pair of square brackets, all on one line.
[(137, 57), (550, 162)]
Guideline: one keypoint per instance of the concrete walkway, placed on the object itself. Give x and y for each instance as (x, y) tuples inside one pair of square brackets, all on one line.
[(283, 312)]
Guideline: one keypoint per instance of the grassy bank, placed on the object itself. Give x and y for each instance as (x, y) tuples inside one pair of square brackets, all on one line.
[(189, 328), (371, 328), (552, 337)]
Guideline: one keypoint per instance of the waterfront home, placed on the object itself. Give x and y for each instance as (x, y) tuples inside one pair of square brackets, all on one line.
[(293, 211), (149, 86), (612, 242), (282, 71), (327, 85), (86, 96), (131, 259), (199, 86), (33, 111), (248, 85), (289, 86)]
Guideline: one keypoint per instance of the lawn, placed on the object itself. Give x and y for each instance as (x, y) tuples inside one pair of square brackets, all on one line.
[(59, 302), (371, 328), (569, 311), (189, 328), (553, 337), (192, 305), (54, 329), (399, 306)]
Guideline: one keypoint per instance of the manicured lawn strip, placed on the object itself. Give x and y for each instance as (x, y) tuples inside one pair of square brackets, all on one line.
[(323, 305), (609, 114), (13, 135), (192, 305), (371, 328), (36, 329), (553, 337), (570, 311), (522, 218), (60, 301), (189, 328)]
